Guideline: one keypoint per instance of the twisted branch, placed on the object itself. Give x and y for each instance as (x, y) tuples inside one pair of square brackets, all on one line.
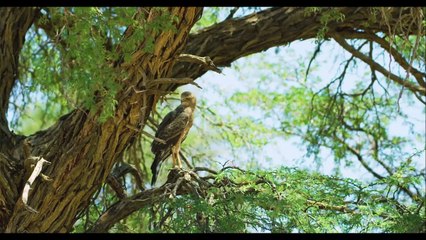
[(413, 88), (419, 76)]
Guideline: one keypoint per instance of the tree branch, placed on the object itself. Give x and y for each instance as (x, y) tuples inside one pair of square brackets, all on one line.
[(231, 39), (359, 158), (420, 76), (205, 61), (413, 88), (358, 155), (124, 207), (14, 24), (83, 150), (181, 182)]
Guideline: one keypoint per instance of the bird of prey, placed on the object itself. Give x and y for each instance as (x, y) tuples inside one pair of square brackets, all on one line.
[(172, 130)]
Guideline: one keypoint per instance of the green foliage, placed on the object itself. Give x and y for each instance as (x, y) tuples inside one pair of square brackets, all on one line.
[(73, 67), (85, 72), (412, 48), (287, 200), (37, 116), (326, 16), (210, 17), (409, 223), (213, 15), (350, 116)]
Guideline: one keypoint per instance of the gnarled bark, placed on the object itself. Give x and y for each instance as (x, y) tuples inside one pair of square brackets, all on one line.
[(82, 151), (14, 23), (232, 39)]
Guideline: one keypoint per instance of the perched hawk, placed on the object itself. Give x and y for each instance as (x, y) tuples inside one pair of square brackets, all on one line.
[(172, 130)]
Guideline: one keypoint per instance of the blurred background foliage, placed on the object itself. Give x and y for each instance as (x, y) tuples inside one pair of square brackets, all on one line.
[(342, 149)]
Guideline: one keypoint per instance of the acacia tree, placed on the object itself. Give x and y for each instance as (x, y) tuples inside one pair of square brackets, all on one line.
[(110, 66)]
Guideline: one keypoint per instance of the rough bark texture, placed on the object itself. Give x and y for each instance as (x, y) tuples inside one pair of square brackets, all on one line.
[(14, 23), (81, 150), (125, 207), (231, 39)]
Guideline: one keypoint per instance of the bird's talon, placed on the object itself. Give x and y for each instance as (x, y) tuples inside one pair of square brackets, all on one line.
[(173, 129)]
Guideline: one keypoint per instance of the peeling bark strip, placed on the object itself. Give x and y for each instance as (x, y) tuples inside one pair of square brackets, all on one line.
[(205, 61), (36, 172), (82, 151), (14, 23)]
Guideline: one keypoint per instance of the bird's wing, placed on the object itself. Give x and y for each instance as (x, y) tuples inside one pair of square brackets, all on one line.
[(174, 128), (167, 120), (157, 146), (170, 128)]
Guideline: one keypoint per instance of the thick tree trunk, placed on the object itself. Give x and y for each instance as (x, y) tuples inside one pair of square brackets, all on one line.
[(82, 151), (14, 23)]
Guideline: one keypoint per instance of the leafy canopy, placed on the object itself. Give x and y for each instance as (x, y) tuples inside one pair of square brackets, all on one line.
[(279, 96)]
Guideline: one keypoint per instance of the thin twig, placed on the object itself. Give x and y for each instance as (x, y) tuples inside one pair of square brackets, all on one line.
[(153, 137), (339, 39), (197, 169), (391, 50)]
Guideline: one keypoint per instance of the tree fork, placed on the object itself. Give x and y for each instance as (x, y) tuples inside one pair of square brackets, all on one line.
[(82, 150)]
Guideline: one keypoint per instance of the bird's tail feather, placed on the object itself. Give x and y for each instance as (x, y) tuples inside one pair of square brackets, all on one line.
[(156, 165), (155, 168)]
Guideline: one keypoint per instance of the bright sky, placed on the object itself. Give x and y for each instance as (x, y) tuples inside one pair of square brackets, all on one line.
[(289, 152), (281, 151)]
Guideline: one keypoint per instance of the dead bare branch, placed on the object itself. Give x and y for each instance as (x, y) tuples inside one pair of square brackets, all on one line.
[(205, 61)]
